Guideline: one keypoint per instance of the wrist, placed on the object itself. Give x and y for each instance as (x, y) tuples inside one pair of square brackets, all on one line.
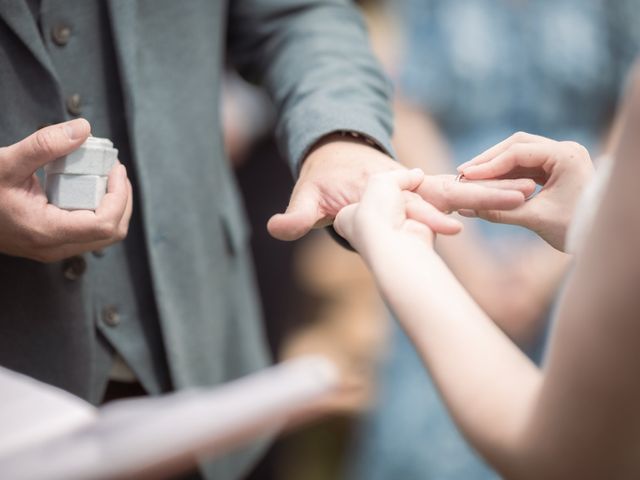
[(346, 136), (341, 143), (382, 246)]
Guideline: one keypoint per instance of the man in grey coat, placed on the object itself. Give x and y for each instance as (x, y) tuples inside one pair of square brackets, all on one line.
[(161, 296)]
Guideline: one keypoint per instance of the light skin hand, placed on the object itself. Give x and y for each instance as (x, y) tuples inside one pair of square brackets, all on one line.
[(390, 211), (32, 228), (335, 175), (562, 168)]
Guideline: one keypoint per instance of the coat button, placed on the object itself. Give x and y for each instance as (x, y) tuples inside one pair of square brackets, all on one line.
[(73, 104), (60, 34), (74, 267), (111, 317)]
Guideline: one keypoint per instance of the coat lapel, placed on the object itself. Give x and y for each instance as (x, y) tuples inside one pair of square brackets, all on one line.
[(18, 17)]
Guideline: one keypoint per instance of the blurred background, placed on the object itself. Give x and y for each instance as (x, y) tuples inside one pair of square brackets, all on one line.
[(467, 73)]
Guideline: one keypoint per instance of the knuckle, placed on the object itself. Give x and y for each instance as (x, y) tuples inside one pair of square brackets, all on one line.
[(519, 137), (123, 231), (36, 239), (44, 142), (579, 149), (448, 186), (107, 229), (513, 150)]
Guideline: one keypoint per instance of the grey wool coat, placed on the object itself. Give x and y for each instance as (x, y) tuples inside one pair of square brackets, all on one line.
[(313, 58)]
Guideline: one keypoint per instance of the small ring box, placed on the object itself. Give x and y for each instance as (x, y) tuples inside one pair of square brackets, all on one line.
[(79, 180)]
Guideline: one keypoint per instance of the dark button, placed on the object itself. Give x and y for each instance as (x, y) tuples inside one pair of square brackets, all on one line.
[(74, 267), (60, 34), (111, 317), (98, 253), (73, 104)]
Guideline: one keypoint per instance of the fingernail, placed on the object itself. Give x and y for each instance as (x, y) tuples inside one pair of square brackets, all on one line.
[(75, 129), (467, 213)]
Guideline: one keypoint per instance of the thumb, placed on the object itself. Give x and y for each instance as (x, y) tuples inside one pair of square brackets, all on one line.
[(344, 220), (519, 216), (302, 214), (22, 159)]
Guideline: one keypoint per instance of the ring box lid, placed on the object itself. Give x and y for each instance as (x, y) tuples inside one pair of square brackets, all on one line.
[(96, 156)]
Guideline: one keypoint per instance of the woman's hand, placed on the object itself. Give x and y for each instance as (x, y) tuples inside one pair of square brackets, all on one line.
[(562, 168), (389, 210)]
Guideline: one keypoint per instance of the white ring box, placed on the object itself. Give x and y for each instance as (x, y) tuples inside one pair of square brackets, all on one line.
[(78, 181)]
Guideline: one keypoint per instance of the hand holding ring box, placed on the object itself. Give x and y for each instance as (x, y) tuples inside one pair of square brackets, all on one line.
[(78, 181)]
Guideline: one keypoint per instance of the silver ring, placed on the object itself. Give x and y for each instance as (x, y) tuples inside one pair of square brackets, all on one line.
[(458, 179)]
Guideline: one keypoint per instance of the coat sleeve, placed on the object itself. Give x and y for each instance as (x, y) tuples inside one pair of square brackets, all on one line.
[(314, 59)]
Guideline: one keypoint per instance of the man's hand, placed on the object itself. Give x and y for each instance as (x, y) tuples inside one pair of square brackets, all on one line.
[(562, 168), (32, 228), (335, 175)]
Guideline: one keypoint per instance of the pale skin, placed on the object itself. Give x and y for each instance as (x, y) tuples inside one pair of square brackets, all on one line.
[(577, 416)]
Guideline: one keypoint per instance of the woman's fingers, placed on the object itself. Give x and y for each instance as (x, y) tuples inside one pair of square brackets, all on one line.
[(447, 195), (400, 179), (343, 223), (521, 184), (421, 211), (525, 155), (519, 137)]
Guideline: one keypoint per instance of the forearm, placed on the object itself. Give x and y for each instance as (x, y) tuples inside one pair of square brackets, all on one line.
[(488, 384), (313, 57)]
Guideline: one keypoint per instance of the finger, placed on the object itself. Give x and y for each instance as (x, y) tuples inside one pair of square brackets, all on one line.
[(302, 214), (385, 190), (20, 160), (519, 137), (525, 185), (518, 216), (85, 226), (121, 232), (402, 179), (427, 214), (344, 220), (123, 226), (518, 155), (447, 195), (113, 206), (60, 252)]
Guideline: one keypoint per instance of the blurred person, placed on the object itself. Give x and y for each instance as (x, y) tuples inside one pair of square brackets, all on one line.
[(469, 74), (576, 416)]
